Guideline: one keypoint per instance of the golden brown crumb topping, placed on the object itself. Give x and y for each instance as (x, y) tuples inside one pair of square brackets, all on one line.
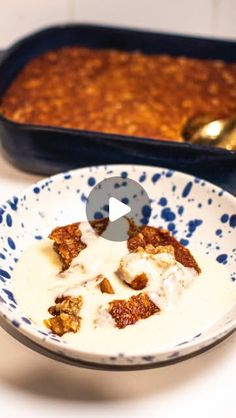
[(129, 311), (156, 237), (120, 92), (65, 315), (68, 242)]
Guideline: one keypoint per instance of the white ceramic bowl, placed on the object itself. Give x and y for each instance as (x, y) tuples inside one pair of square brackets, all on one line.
[(207, 219)]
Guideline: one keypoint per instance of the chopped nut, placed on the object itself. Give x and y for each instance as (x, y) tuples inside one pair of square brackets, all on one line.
[(66, 304), (63, 323), (106, 286), (150, 249), (65, 315), (139, 282)]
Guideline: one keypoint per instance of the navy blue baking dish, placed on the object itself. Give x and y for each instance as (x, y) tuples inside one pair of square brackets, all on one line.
[(48, 150)]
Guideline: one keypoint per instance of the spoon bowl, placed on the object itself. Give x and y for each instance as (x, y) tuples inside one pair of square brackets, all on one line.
[(206, 130)]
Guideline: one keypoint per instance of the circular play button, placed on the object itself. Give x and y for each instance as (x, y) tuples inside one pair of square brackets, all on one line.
[(117, 198)]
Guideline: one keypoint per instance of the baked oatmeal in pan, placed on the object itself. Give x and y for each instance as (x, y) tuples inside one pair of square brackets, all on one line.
[(127, 93)]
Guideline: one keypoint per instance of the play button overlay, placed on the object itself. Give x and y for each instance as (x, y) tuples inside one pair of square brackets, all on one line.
[(117, 209), (118, 198)]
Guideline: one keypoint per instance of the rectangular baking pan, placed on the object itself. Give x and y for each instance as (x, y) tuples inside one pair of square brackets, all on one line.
[(48, 150)]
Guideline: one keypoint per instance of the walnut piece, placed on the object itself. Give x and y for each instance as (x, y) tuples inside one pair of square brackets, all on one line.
[(106, 286), (139, 282), (150, 249), (63, 323), (65, 315)]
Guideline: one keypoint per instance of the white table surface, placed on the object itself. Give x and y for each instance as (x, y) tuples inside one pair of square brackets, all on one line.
[(34, 386)]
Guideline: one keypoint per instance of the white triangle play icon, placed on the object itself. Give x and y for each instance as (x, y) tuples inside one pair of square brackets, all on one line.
[(117, 209)]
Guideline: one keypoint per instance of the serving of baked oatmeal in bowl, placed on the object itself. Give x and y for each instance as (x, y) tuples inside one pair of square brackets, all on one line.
[(164, 293)]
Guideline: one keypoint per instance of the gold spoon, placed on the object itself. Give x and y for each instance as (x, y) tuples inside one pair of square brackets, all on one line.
[(204, 129)]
